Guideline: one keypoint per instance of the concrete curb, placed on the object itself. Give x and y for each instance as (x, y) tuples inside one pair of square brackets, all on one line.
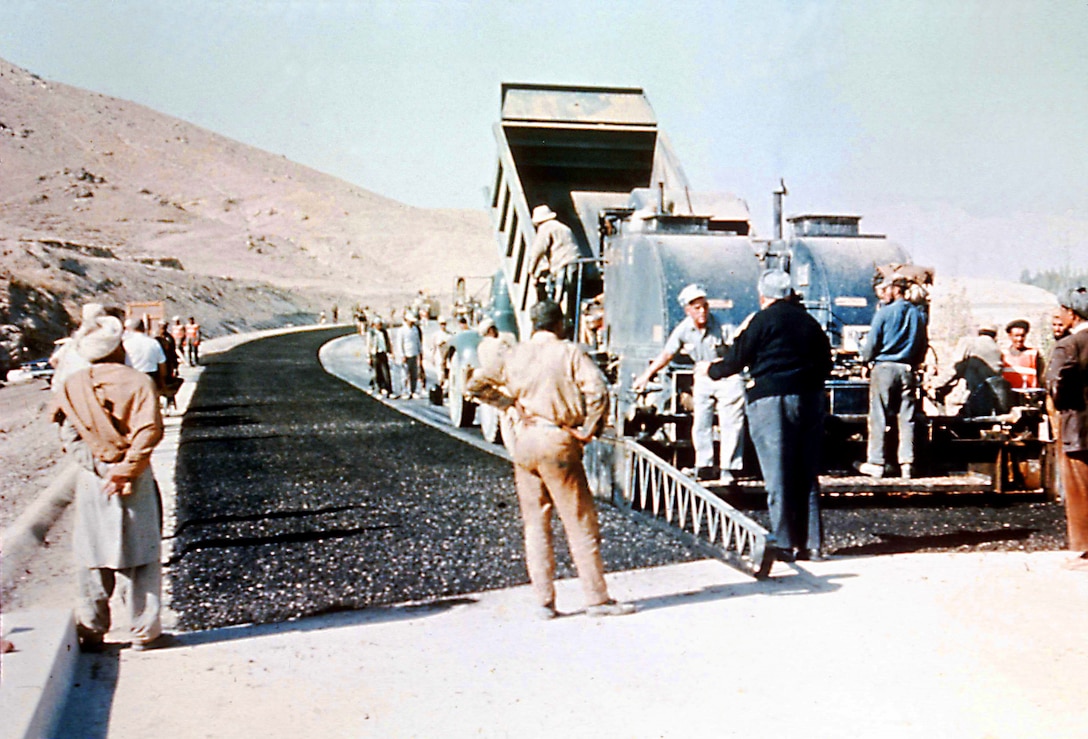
[(34, 679), (23, 537), (36, 676)]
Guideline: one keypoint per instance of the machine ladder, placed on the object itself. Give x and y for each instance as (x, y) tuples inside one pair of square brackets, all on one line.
[(643, 485)]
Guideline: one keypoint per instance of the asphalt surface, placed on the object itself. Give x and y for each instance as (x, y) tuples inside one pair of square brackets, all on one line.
[(300, 495)]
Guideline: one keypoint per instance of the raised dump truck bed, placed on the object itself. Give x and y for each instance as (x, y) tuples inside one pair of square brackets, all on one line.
[(595, 155), (554, 141)]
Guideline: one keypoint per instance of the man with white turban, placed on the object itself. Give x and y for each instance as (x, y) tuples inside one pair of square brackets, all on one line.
[(110, 423), (65, 360)]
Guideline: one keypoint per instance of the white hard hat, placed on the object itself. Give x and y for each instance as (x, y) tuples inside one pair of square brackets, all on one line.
[(542, 213), (690, 294)]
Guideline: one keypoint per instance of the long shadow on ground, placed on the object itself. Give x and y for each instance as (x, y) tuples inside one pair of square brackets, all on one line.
[(298, 495)]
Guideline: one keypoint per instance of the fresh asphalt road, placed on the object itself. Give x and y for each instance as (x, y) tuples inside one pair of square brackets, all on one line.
[(297, 494)]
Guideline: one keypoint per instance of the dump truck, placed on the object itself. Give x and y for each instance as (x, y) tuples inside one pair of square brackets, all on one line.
[(596, 157)]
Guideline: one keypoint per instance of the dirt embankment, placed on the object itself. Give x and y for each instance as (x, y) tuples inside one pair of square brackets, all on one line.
[(106, 200)]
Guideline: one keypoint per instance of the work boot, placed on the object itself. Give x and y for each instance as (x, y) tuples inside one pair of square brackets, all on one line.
[(703, 474), (610, 608), (869, 469), (809, 555), (89, 641)]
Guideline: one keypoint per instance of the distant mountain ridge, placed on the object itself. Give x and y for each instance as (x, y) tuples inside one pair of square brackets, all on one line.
[(92, 172)]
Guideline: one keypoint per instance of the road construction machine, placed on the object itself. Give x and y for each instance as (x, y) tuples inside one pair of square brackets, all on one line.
[(597, 158)]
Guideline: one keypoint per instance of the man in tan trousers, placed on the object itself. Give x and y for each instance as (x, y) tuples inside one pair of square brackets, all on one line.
[(110, 423), (560, 398)]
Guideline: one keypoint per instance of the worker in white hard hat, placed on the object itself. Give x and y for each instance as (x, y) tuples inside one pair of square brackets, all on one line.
[(701, 336), (552, 256)]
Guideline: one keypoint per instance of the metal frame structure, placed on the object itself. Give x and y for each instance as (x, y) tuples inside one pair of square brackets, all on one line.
[(653, 490)]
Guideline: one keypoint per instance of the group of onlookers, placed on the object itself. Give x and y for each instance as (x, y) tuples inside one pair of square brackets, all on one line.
[(896, 347), (402, 348), (398, 354)]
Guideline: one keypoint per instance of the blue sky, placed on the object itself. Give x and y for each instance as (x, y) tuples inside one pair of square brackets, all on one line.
[(958, 128)]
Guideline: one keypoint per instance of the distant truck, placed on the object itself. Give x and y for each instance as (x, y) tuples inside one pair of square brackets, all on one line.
[(152, 313)]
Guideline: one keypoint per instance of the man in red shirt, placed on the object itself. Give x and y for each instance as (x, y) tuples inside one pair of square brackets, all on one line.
[(1021, 362), (192, 341)]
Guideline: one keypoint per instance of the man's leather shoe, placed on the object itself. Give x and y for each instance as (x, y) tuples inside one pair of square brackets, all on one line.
[(703, 474)]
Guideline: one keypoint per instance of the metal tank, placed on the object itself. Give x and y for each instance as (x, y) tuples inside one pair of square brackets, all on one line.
[(833, 267), (654, 250)]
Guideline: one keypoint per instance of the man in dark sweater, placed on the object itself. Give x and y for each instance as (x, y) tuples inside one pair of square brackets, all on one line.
[(1067, 382), (788, 358)]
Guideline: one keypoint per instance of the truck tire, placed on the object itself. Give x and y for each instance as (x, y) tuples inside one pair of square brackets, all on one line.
[(462, 412), (489, 424)]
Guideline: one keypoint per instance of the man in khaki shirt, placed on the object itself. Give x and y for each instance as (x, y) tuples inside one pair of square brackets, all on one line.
[(552, 256), (560, 398), (109, 424)]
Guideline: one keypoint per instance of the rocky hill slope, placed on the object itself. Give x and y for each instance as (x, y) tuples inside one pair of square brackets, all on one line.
[(106, 199)]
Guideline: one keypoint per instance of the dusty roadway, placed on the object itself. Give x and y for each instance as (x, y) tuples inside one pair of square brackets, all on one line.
[(921, 645)]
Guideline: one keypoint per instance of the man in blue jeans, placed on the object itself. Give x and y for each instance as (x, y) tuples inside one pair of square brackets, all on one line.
[(896, 346), (788, 357)]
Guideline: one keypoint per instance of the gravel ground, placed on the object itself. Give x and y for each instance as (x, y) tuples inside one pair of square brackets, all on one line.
[(317, 498), (29, 447)]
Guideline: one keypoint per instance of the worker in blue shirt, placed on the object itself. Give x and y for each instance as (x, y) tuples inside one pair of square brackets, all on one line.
[(896, 346)]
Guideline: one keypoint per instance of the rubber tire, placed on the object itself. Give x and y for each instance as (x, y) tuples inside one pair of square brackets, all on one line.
[(462, 412)]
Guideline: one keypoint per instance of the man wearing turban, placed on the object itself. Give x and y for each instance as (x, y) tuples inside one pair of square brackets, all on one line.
[(109, 424)]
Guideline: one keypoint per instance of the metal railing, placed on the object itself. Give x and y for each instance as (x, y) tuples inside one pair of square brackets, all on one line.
[(644, 485)]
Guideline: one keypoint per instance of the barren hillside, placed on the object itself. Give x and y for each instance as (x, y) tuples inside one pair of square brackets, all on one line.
[(94, 186)]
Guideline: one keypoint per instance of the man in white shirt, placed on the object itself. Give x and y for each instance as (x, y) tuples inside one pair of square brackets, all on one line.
[(143, 353), (409, 350)]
